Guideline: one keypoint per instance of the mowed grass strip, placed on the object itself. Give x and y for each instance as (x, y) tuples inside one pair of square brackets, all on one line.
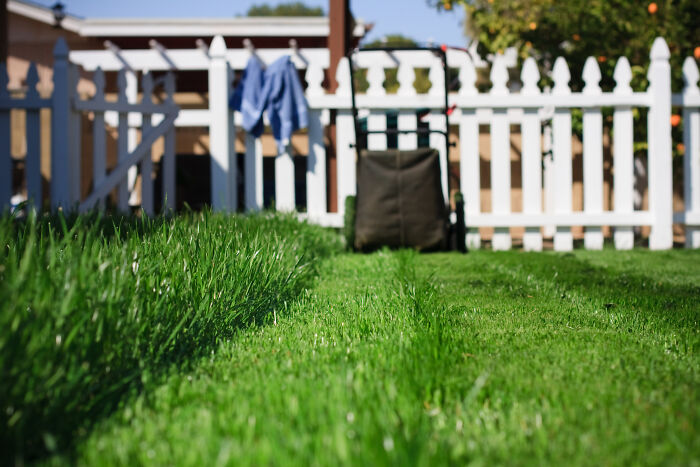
[(93, 309), (397, 358)]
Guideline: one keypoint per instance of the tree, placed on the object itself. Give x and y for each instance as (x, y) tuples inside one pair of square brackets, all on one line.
[(578, 29), (285, 9)]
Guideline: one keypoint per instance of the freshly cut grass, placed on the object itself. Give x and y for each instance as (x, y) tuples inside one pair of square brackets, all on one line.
[(93, 309), (586, 358)]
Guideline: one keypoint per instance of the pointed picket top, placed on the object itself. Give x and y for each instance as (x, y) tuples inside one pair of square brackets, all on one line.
[(375, 78), (561, 77), (499, 76), (61, 50), (622, 76), (314, 79), (217, 49), (690, 77), (591, 76), (467, 78), (99, 79), (436, 75), (659, 50), (121, 86), (32, 80), (147, 87), (406, 75), (169, 86), (530, 76), (4, 80), (343, 77)]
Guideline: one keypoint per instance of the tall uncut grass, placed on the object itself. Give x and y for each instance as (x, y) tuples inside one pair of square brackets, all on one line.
[(95, 308)]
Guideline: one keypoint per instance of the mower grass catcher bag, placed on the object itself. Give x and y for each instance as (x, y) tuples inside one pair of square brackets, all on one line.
[(400, 201)]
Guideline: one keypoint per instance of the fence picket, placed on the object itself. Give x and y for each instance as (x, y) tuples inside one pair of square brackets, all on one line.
[(75, 139), (122, 141), (61, 175), (500, 155), (147, 161), (33, 138), (436, 74), (253, 173), (469, 161), (99, 140), (224, 180), (406, 119), (623, 168), (592, 155), (5, 150), (660, 162), (168, 161), (316, 166), (345, 137), (691, 158), (284, 180), (531, 156), (561, 128)]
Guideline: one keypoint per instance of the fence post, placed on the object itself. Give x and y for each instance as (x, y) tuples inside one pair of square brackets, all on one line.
[(500, 155), (5, 158), (660, 170), (691, 158), (61, 177), (345, 137), (223, 168)]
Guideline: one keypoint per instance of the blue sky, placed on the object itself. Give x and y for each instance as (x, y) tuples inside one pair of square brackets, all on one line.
[(412, 18)]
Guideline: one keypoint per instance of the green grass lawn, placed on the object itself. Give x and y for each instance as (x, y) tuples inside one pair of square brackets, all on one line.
[(583, 358)]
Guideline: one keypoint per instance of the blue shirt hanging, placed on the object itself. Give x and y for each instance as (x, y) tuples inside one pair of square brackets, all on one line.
[(276, 90)]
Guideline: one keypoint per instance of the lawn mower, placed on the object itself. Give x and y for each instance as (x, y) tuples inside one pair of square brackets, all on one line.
[(400, 202)]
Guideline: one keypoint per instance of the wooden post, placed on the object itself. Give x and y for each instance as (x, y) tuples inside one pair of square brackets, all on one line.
[(339, 41), (223, 167), (660, 174)]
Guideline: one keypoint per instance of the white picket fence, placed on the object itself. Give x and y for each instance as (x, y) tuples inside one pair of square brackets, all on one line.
[(499, 108), (66, 108)]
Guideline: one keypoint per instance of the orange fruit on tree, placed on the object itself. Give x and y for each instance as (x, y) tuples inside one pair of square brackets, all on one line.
[(675, 120), (696, 52), (680, 147), (576, 37), (653, 8), (533, 26)]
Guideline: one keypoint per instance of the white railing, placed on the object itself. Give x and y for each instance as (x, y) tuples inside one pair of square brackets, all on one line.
[(531, 108), (66, 108)]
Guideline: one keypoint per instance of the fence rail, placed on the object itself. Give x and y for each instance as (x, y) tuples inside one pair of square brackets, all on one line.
[(544, 117)]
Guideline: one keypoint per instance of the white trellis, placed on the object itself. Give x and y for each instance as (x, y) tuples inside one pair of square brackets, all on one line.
[(499, 109)]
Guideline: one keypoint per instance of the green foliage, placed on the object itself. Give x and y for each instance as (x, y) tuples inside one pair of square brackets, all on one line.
[(585, 358), (285, 9), (93, 309), (577, 29)]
